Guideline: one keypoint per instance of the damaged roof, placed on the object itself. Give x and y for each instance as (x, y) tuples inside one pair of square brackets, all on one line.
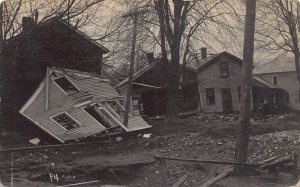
[(70, 105)]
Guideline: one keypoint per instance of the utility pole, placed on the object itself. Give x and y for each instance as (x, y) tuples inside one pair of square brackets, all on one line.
[(132, 58), (245, 106)]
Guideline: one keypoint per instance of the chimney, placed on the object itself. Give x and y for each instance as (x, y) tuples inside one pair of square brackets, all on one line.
[(27, 24), (150, 58), (203, 52)]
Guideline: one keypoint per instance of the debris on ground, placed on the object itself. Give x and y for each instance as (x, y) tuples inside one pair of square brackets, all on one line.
[(147, 135), (35, 141), (273, 144), (211, 136)]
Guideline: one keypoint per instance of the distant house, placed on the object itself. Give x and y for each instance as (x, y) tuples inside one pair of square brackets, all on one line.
[(150, 89), (26, 56), (281, 72), (71, 105), (219, 78)]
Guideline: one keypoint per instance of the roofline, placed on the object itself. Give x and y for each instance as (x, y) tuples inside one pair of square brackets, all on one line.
[(137, 75), (209, 63), (274, 72), (122, 84), (32, 98), (86, 36), (269, 85), (91, 40), (29, 102), (82, 72)]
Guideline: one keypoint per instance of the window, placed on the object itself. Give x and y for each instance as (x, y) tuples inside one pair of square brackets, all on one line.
[(275, 80), (210, 96), (66, 85), (224, 69), (66, 121), (239, 93)]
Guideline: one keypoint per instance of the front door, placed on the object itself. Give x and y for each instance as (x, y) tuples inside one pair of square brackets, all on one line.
[(226, 100)]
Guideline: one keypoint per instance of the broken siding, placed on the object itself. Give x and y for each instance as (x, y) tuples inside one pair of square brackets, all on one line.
[(137, 123), (88, 125), (210, 78), (60, 102), (37, 107), (54, 96), (96, 87)]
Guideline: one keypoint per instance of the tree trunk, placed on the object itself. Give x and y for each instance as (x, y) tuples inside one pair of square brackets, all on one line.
[(296, 52), (173, 85), (245, 106), (297, 61)]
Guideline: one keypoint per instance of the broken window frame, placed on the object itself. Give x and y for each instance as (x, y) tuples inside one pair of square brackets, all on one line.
[(65, 91), (98, 122), (212, 100), (68, 115), (224, 69), (113, 117)]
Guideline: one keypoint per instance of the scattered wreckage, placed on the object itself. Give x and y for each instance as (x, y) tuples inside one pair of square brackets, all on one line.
[(71, 105)]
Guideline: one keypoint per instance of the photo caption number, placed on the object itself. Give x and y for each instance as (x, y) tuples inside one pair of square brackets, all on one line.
[(53, 177)]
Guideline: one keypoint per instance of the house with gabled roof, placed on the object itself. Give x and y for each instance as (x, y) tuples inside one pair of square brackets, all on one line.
[(71, 105), (219, 78), (149, 89), (26, 56), (281, 72)]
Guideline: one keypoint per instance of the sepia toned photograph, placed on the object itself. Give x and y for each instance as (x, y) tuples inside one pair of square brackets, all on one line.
[(149, 93)]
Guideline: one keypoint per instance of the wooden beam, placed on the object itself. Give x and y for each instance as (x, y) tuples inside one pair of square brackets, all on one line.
[(181, 180), (218, 177), (207, 161), (111, 110), (275, 162), (122, 107)]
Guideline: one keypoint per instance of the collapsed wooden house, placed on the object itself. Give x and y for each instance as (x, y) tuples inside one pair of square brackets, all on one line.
[(71, 105)]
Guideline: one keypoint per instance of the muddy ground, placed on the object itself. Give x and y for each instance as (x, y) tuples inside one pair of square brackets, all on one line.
[(130, 161)]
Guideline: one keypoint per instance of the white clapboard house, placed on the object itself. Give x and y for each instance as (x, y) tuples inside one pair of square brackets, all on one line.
[(71, 105)]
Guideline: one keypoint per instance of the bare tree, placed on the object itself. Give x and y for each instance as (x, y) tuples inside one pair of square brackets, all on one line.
[(180, 23), (279, 25)]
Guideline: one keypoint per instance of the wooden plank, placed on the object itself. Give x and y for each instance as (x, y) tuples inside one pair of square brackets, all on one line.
[(181, 180), (81, 183), (207, 161), (122, 107), (275, 162), (106, 119), (218, 177), (111, 110), (115, 119)]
